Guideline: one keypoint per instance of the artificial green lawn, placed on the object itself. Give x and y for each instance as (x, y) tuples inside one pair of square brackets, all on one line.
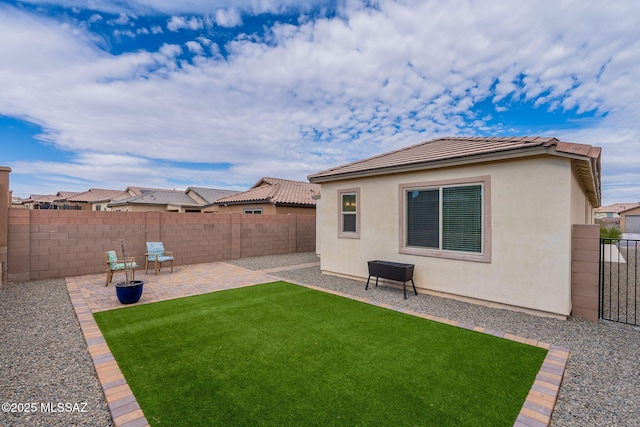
[(279, 354)]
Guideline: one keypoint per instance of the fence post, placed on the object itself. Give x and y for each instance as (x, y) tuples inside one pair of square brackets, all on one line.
[(153, 232), (293, 222), (236, 235), (585, 266), (5, 203)]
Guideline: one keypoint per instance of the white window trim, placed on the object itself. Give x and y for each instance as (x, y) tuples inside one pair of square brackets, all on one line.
[(343, 234), (485, 256)]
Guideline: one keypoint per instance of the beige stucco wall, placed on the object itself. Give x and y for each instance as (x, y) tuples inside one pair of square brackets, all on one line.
[(530, 263)]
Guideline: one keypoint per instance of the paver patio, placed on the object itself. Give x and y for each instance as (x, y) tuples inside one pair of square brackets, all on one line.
[(89, 294)]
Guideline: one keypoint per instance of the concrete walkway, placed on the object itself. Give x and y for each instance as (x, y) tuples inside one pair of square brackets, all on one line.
[(90, 295)]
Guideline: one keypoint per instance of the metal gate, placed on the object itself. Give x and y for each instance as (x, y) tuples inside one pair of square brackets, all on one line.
[(619, 280)]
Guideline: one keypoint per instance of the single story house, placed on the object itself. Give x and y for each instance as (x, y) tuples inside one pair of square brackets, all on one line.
[(207, 196), (613, 211), (162, 200), (630, 219), (469, 212), (271, 196), (95, 199), (157, 201)]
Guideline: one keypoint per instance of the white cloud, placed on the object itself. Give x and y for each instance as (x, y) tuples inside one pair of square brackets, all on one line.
[(330, 90), (228, 18), (177, 23), (122, 19), (195, 47), (125, 33)]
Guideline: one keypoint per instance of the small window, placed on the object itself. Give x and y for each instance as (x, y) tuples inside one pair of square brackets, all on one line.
[(253, 211), (349, 214)]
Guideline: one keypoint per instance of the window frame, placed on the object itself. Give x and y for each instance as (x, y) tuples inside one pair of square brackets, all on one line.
[(348, 234), (252, 211), (484, 255)]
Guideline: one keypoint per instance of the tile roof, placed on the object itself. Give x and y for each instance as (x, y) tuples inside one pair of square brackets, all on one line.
[(452, 151), (136, 191), (98, 195), (276, 191), (618, 207), (66, 194), (210, 195), (158, 197), (41, 198), (49, 198)]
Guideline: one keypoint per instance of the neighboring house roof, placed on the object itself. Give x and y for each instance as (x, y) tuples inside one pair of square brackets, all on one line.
[(210, 195), (41, 198), (276, 191), (63, 195), (95, 195), (453, 151), (136, 191), (158, 197), (49, 198), (617, 207)]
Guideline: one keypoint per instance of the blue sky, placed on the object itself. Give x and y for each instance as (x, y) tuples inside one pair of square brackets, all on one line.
[(167, 94)]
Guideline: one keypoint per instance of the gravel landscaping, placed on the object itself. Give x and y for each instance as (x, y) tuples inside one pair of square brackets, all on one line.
[(45, 368), (44, 359)]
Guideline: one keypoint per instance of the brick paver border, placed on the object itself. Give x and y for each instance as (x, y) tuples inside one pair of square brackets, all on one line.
[(125, 411)]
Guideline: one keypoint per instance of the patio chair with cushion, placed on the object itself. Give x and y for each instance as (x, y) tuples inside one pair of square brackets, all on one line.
[(156, 253), (115, 264)]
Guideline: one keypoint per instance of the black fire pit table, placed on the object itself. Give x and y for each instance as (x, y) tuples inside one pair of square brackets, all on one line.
[(395, 271)]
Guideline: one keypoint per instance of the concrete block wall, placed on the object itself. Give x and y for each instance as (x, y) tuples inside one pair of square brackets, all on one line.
[(585, 267), (45, 244), (305, 234), (5, 203)]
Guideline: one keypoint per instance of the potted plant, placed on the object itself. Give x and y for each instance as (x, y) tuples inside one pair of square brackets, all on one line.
[(129, 291)]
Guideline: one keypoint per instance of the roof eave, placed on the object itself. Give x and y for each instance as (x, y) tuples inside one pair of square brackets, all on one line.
[(413, 167), (295, 205), (588, 170), (242, 202)]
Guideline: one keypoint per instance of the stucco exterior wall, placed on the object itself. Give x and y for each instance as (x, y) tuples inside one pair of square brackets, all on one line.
[(530, 265)]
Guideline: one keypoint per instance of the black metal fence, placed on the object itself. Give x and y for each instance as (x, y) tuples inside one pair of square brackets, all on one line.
[(619, 280)]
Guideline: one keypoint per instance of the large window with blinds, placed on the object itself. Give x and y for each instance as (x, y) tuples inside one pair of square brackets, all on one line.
[(446, 219)]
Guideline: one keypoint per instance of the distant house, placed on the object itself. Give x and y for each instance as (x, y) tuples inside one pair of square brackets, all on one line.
[(208, 196), (613, 211), (158, 201), (611, 216), (39, 201), (469, 213), (95, 199), (271, 196), (50, 201), (191, 200), (630, 219)]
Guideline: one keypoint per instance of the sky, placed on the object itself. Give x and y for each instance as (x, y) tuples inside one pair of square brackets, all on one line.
[(219, 93)]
